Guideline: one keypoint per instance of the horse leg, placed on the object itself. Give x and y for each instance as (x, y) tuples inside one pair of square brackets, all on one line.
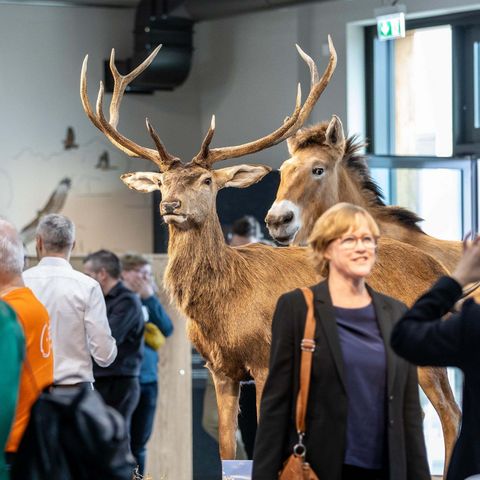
[(434, 382), (227, 392)]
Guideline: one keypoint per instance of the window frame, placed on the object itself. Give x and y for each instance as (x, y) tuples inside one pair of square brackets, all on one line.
[(466, 140), (468, 167)]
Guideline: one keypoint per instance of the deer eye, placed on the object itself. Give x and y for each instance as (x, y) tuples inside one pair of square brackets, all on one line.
[(317, 171), (207, 181)]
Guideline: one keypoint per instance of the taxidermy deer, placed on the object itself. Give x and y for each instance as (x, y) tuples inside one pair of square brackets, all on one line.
[(228, 294), (325, 168)]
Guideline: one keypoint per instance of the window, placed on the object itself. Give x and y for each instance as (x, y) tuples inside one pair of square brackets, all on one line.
[(423, 91)]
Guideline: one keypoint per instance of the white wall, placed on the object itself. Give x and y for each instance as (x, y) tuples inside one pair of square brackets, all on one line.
[(245, 71), (248, 65), (41, 52)]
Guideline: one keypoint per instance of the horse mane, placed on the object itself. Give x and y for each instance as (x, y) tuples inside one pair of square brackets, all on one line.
[(356, 163)]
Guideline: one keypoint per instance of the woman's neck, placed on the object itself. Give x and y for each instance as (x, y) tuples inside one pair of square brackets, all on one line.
[(348, 292)]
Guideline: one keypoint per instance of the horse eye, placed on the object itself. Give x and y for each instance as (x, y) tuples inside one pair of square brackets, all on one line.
[(207, 181), (317, 171)]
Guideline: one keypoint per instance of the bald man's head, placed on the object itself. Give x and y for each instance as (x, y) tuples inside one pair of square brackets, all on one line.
[(11, 250)]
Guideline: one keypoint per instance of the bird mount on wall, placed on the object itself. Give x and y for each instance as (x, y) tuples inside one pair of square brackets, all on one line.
[(104, 162), (69, 141), (54, 204)]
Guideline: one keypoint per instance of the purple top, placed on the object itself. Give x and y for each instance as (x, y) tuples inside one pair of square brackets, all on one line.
[(365, 364)]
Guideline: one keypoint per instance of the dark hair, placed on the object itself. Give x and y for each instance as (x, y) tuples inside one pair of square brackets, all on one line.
[(104, 259), (247, 226)]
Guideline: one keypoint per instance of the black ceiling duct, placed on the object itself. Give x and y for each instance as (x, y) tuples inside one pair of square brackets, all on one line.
[(170, 68)]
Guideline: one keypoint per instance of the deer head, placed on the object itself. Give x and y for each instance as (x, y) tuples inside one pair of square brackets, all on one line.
[(306, 180), (189, 189)]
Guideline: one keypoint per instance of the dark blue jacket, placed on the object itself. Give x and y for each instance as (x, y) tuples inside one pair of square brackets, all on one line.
[(125, 316)]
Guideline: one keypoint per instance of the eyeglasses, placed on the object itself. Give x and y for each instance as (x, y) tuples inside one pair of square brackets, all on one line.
[(350, 242), (143, 271)]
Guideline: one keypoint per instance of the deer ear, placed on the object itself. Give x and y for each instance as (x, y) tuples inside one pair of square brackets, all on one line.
[(240, 176), (334, 136), (144, 182)]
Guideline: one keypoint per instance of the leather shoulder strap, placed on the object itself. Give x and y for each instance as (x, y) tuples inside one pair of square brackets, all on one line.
[(308, 347)]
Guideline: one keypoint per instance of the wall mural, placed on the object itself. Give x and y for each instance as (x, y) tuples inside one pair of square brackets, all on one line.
[(79, 179)]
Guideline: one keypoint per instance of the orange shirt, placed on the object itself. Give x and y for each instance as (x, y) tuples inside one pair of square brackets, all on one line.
[(37, 370)]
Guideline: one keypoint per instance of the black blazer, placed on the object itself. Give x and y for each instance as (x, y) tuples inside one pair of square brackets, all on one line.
[(423, 338), (327, 405)]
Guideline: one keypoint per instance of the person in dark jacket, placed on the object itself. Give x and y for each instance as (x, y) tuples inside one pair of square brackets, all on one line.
[(424, 338), (118, 384), (137, 276), (363, 416)]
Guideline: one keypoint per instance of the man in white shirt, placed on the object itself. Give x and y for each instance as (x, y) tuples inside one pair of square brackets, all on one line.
[(75, 303)]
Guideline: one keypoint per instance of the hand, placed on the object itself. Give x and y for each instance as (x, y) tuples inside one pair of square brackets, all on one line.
[(468, 268), (138, 284)]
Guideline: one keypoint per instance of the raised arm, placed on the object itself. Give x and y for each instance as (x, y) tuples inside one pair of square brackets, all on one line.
[(422, 337)]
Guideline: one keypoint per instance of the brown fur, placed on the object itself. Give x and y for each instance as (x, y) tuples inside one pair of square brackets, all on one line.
[(229, 294), (355, 185)]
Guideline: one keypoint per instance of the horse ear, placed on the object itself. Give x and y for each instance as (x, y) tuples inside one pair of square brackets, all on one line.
[(335, 136), (292, 143)]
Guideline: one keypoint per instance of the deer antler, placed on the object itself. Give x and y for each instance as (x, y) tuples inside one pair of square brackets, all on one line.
[(207, 157), (160, 157)]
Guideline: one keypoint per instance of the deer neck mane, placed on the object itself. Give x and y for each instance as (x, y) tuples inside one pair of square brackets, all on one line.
[(198, 265)]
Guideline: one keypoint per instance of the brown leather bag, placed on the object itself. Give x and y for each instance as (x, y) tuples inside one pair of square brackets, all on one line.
[(295, 467)]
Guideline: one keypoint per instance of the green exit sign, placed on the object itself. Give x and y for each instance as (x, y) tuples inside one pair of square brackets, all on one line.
[(391, 26)]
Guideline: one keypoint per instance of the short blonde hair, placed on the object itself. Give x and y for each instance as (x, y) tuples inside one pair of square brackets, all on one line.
[(334, 223), (132, 260)]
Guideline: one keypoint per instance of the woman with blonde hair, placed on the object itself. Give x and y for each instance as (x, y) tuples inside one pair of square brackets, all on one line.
[(363, 417)]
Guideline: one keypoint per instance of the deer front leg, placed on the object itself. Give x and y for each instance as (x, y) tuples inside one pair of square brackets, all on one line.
[(434, 382), (227, 392)]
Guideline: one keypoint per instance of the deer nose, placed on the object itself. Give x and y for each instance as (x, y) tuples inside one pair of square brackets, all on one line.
[(273, 220), (169, 207)]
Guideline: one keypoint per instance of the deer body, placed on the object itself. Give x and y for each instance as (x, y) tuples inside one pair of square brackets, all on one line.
[(229, 294)]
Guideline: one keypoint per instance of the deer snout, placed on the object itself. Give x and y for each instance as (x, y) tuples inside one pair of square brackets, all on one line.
[(278, 220), (169, 207)]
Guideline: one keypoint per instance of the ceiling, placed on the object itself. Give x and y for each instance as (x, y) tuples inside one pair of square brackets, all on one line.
[(196, 9)]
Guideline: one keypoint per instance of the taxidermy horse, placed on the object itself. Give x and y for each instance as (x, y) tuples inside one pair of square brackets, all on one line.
[(325, 168), (228, 294)]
